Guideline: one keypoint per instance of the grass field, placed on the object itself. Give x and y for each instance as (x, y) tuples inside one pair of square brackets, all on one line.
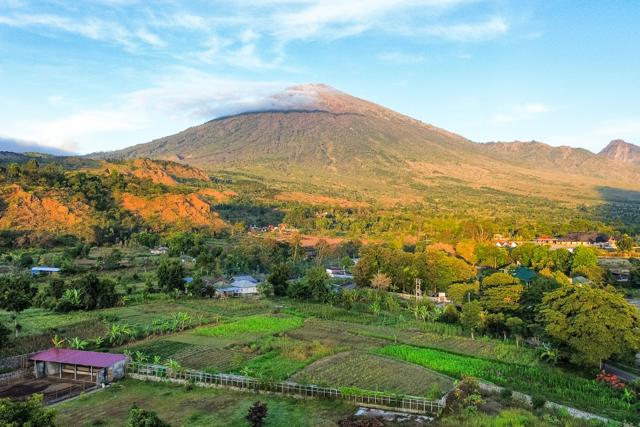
[(251, 325), (203, 407), (370, 372)]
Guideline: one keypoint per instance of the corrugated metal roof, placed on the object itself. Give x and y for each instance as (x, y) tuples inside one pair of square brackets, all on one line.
[(248, 278), (54, 269), (78, 357), (244, 284)]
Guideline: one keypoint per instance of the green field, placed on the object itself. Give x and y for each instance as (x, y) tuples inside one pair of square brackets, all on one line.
[(198, 407), (370, 372), (250, 325)]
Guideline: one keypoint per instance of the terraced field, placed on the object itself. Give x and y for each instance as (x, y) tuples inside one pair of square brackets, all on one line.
[(370, 372)]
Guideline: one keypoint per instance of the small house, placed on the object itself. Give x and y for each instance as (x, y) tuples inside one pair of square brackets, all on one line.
[(80, 365), (244, 278), (228, 292), (37, 271), (339, 273), (245, 287), (159, 251)]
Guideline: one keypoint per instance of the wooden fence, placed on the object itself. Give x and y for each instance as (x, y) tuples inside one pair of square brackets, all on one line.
[(403, 403)]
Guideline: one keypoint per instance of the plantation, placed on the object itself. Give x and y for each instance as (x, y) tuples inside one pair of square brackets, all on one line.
[(555, 386), (252, 324), (370, 372)]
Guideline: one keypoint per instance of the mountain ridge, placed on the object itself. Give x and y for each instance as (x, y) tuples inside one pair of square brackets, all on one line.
[(623, 151), (317, 137)]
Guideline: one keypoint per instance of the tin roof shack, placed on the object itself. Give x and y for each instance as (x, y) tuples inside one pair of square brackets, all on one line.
[(44, 270), (79, 365)]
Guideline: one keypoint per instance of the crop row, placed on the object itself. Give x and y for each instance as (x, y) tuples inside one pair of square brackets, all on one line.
[(527, 379), (251, 324)]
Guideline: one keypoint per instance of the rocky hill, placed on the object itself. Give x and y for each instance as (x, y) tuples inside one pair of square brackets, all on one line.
[(621, 150)]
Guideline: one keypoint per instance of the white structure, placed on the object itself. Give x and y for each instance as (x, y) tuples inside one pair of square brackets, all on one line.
[(159, 251), (245, 287)]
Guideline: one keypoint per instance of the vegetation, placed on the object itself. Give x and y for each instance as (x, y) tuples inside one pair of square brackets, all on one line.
[(252, 324)]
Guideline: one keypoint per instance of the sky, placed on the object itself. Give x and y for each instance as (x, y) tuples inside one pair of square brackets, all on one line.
[(99, 75)]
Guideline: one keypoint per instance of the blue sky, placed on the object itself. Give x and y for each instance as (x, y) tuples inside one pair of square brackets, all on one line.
[(106, 74)]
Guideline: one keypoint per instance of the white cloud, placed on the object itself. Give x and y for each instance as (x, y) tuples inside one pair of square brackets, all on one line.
[(400, 58), (254, 34), (532, 108), (522, 112), (93, 28)]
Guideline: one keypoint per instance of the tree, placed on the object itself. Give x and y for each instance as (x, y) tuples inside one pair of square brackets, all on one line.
[(5, 334), (322, 248), (316, 279), (170, 275), (265, 289), (257, 414), (594, 323), (298, 290), (296, 243), (144, 418), (598, 275), (450, 314), (112, 261), (278, 278), (501, 292), (465, 250), (472, 316), (16, 296), (346, 262), (195, 286), (517, 328), (583, 255), (626, 244), (381, 281), (461, 293), (29, 413)]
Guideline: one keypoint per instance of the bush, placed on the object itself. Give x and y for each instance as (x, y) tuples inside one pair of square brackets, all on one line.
[(506, 394), (450, 314), (257, 414), (538, 402), (238, 360)]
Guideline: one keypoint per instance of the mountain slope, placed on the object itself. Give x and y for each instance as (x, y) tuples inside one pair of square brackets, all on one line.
[(317, 137), (621, 150)]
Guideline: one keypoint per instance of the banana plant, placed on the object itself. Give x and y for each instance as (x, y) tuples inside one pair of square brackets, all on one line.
[(156, 360), (57, 343), (141, 357), (375, 306), (73, 296), (98, 341), (77, 344)]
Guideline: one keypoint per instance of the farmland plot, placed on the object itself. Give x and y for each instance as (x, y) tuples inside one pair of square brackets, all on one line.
[(372, 372), (250, 325), (323, 330)]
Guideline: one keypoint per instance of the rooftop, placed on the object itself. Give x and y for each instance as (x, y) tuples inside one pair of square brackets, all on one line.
[(78, 357), (54, 269), (244, 284), (247, 278)]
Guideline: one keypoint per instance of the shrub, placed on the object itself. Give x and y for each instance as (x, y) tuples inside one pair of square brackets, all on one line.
[(238, 360), (257, 414), (506, 394), (538, 401)]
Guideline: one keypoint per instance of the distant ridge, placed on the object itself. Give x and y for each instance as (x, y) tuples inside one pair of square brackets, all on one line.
[(621, 150)]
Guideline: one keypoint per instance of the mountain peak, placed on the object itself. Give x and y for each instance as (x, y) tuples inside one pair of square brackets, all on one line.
[(311, 96), (621, 150)]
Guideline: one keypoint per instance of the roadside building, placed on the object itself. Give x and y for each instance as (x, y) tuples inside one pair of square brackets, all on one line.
[(89, 366), (544, 240)]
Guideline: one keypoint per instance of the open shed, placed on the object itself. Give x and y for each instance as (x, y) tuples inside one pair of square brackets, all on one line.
[(79, 365)]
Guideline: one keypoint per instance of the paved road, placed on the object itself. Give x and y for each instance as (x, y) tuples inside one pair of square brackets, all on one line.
[(627, 376)]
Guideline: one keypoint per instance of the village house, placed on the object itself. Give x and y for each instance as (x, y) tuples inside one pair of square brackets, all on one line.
[(589, 238), (338, 273), (544, 240), (159, 251)]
